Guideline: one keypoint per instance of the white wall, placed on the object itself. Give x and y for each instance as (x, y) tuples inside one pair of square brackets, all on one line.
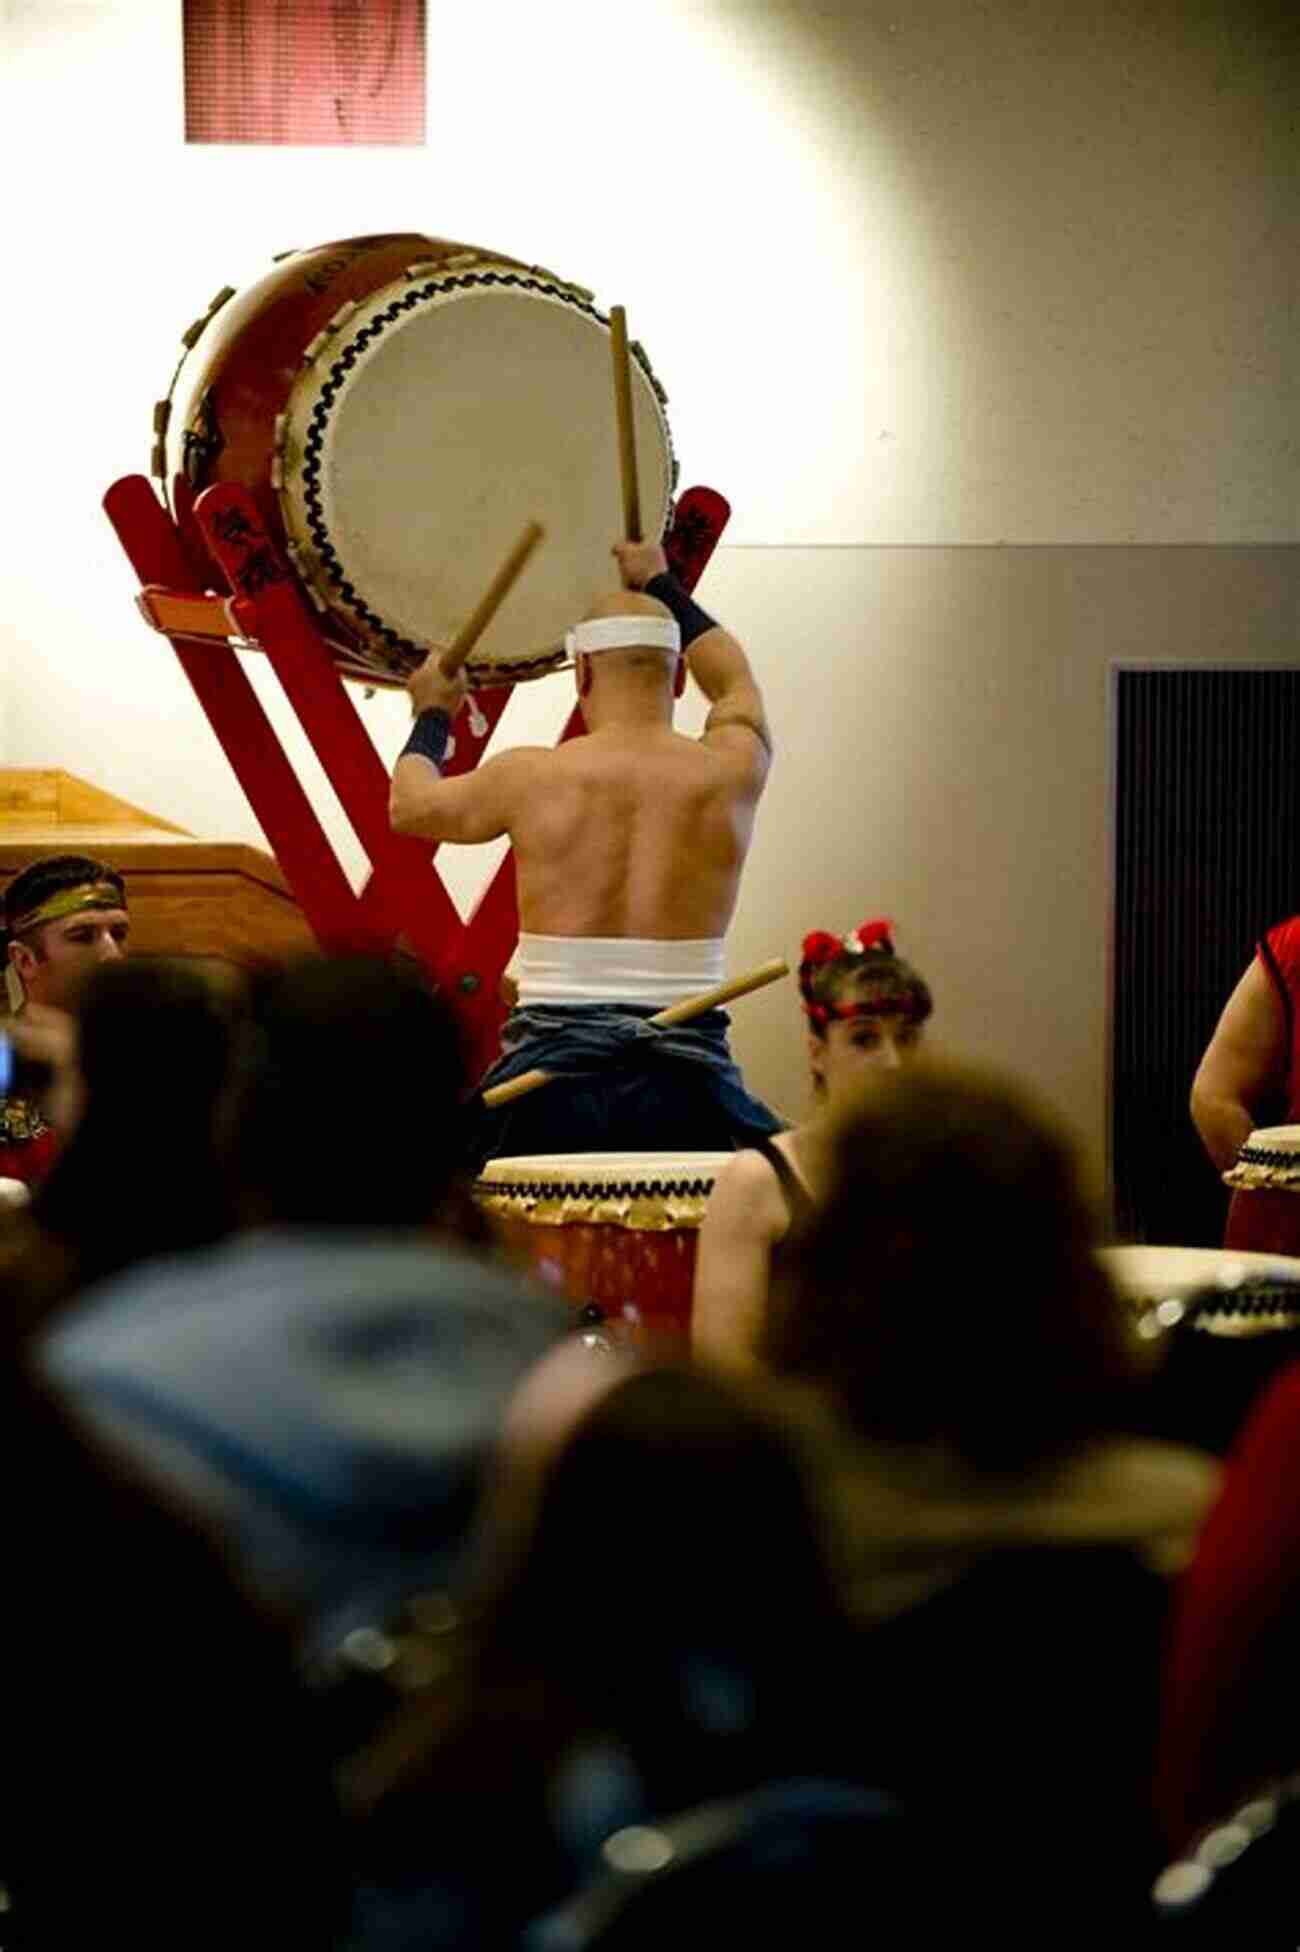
[(954, 775), (917, 276)]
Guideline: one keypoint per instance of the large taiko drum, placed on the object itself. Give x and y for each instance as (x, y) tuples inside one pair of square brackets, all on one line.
[(399, 407), (614, 1231), (1264, 1213), (1221, 1323)]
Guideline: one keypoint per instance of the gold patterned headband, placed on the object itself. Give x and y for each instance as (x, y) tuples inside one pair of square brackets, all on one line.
[(68, 901)]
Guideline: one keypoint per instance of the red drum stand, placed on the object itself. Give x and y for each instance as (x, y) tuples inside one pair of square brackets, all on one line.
[(404, 901)]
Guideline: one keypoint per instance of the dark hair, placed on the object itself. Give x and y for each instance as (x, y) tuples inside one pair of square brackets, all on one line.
[(694, 1492), (948, 1290), (877, 974), (658, 1584), (141, 1172), (36, 883), (347, 1107), (159, 1751)]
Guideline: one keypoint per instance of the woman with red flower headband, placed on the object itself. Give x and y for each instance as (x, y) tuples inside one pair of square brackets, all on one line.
[(866, 1009)]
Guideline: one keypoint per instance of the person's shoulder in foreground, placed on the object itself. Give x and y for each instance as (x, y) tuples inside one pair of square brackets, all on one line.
[(328, 1397)]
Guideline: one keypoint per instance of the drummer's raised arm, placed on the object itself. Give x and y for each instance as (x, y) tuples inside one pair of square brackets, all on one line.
[(737, 719), (468, 807)]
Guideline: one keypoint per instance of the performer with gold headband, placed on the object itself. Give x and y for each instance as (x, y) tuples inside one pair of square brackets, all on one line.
[(62, 915), (628, 847), (866, 1011)]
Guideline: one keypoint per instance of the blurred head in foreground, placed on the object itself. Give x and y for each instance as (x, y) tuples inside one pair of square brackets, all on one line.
[(347, 1106), (650, 1581), (140, 1174), (948, 1291)]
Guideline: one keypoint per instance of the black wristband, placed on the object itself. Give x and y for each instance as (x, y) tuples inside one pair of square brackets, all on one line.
[(692, 621), (429, 736)]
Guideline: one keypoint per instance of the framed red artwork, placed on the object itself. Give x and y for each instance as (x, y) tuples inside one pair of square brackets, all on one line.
[(304, 71)]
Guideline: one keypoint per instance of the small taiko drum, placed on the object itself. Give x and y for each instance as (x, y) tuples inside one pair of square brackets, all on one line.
[(614, 1231), (1264, 1214), (400, 407), (1217, 1290), (1222, 1322)]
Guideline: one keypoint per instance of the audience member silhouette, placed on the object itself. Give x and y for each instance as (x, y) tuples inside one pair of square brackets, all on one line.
[(326, 1384), (162, 1783), (653, 1626), (1007, 1552), (140, 1174)]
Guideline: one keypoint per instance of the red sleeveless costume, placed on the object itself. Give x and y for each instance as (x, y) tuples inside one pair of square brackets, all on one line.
[(1268, 1220)]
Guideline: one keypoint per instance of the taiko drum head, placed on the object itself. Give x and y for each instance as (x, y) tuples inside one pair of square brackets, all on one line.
[(400, 407)]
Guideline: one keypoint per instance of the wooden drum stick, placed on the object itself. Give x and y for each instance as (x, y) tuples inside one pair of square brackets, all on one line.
[(626, 425), (691, 1006), (490, 602)]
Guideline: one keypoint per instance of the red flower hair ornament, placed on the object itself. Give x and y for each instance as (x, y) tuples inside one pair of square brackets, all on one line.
[(821, 947)]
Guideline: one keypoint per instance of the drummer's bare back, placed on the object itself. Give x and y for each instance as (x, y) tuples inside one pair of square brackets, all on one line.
[(634, 833), (630, 831)]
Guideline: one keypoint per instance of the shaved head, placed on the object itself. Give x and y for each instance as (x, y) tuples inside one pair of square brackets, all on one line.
[(639, 676)]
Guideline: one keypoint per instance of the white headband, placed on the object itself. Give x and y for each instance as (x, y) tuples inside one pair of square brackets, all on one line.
[(624, 634)]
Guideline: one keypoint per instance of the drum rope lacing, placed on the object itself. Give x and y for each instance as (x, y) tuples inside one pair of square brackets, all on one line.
[(623, 1189), (1203, 1306), (1252, 1298), (1258, 1155), (339, 369)]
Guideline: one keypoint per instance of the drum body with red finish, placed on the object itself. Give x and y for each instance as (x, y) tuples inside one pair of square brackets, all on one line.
[(1264, 1214), (1263, 1221), (615, 1232), (399, 407)]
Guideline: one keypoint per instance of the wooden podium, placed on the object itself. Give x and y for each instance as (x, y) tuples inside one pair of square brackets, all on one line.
[(188, 897)]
